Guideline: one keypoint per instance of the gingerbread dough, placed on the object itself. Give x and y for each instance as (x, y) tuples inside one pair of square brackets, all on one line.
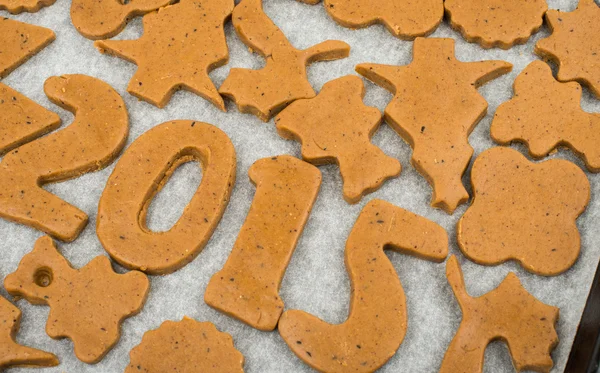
[(267, 91), (86, 305), (19, 42), (20, 6), (12, 353), (574, 44), (377, 322), (186, 346), (437, 125), (496, 23), (546, 114), (336, 126), (524, 211), (103, 19), (508, 313), (181, 44), (90, 143), (22, 120), (142, 171), (247, 287)]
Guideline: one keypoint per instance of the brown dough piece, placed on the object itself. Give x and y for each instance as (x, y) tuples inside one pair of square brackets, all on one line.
[(13, 354), (377, 322), (336, 127), (103, 19), (141, 172), (267, 91), (247, 287), (508, 313), (545, 114), (19, 42), (187, 346), (524, 211), (172, 58), (20, 6), (496, 23), (22, 120), (437, 126), (574, 44), (87, 305), (90, 143)]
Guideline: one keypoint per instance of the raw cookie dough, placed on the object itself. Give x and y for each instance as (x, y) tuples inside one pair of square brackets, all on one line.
[(437, 126), (496, 23), (103, 19), (247, 287), (524, 211), (545, 114), (13, 354), (19, 42), (141, 172), (87, 305), (267, 91), (377, 322), (508, 313), (181, 44), (22, 120), (575, 44), (187, 346), (336, 127), (20, 6), (96, 136)]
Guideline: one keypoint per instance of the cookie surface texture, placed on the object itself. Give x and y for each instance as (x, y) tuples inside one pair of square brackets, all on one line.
[(19, 42), (141, 172), (437, 126), (20, 6), (87, 305), (267, 91), (336, 127), (94, 139), (574, 44), (247, 287), (545, 114), (508, 313), (377, 321), (496, 23), (186, 346), (524, 211), (13, 354), (172, 58)]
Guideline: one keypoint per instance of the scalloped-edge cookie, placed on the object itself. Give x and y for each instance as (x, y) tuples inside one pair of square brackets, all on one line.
[(524, 211), (545, 114), (496, 23), (508, 313), (20, 6), (186, 346), (575, 44)]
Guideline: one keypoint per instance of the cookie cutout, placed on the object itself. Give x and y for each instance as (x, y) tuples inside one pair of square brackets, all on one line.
[(336, 127), (172, 58), (22, 120), (140, 174), (20, 6), (13, 354), (96, 136), (377, 322), (103, 19), (496, 23), (19, 42), (524, 211), (267, 91), (247, 288), (186, 346), (437, 126), (545, 114), (574, 44), (87, 305), (508, 313)]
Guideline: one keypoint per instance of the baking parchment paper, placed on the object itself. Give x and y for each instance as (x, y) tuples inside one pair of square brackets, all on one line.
[(316, 280)]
